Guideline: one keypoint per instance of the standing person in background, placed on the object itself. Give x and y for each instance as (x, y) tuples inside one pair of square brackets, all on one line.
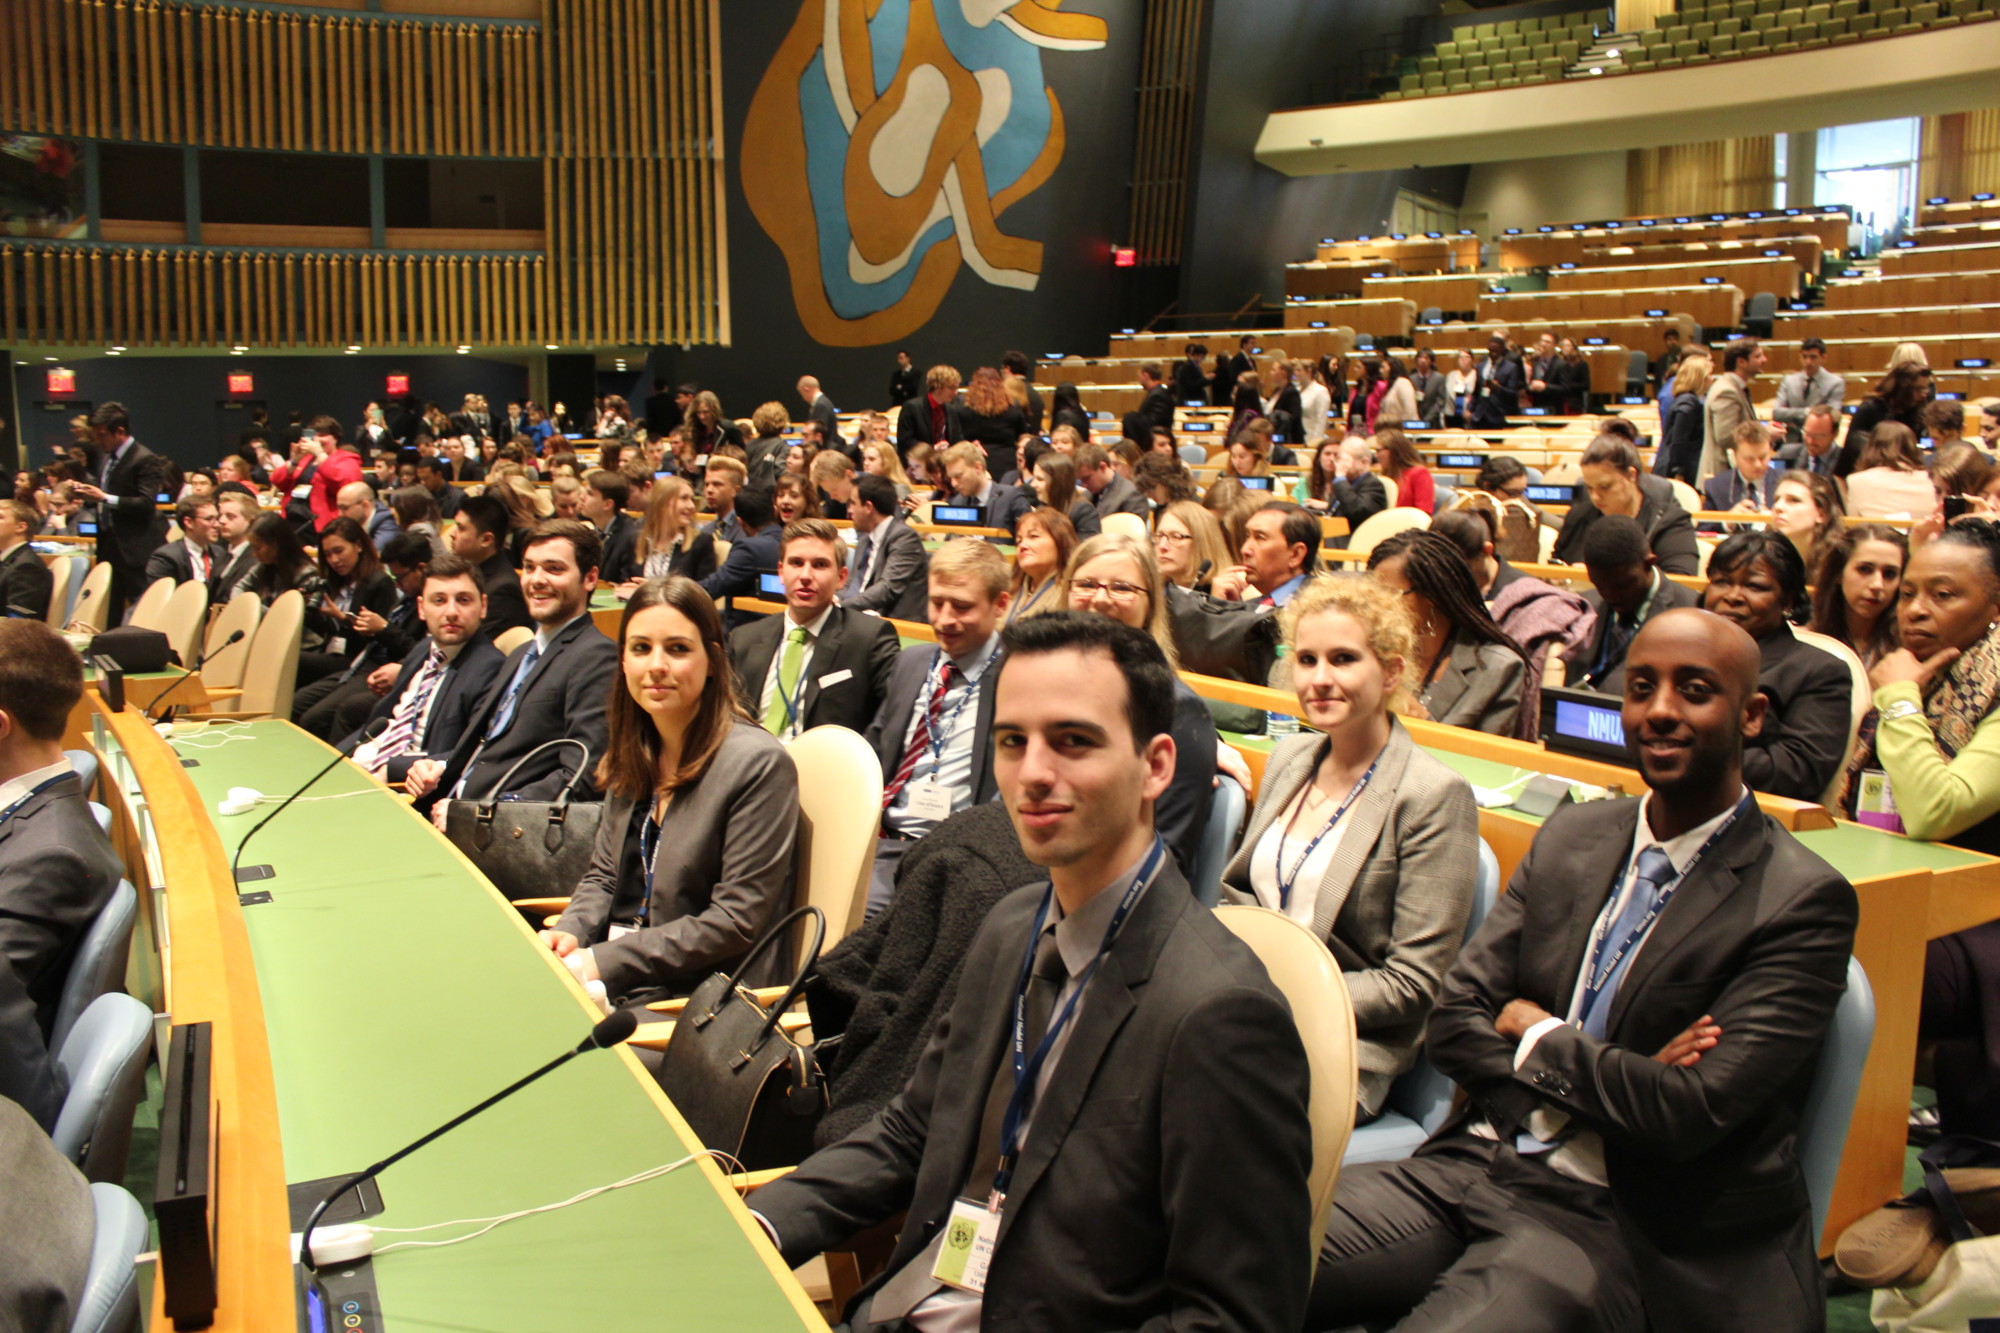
[(1020, 372), (1811, 385), (128, 483), (707, 428), (1728, 404), (1067, 410), (819, 407), (664, 409), (1156, 406), (1230, 369), (935, 418), (764, 455), (1315, 403), (1429, 383), (1191, 377), (1900, 397), (906, 382), (1461, 384), (1679, 454), (1497, 394)]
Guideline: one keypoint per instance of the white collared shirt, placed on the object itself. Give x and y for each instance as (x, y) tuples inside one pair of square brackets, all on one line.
[(813, 628), (16, 788), (952, 767), (200, 563)]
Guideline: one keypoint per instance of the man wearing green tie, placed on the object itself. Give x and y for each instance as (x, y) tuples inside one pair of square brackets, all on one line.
[(818, 664)]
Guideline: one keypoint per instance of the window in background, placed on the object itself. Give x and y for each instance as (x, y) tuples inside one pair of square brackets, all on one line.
[(1872, 168)]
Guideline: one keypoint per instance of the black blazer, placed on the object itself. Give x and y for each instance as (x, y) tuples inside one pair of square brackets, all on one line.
[(996, 434), (1871, 412), (1669, 530), (1179, 1031), (1702, 1161), (1190, 381), (1004, 506), (1569, 384), (1805, 726), (860, 650), (565, 695), (172, 561), (26, 585), (375, 593), (897, 582), (1495, 399), (1679, 454), (748, 557), (506, 605), (230, 573), (467, 677), (617, 563), (1359, 500), (1120, 496), (1577, 675), (913, 425), (900, 702), (905, 383), (129, 527)]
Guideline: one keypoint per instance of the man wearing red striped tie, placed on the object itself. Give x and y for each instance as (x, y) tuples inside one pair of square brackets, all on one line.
[(934, 729)]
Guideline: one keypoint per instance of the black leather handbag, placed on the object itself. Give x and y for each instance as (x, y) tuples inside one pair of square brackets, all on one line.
[(744, 1085), (529, 849)]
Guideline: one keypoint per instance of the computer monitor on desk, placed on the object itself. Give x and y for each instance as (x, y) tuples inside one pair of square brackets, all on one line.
[(1584, 723)]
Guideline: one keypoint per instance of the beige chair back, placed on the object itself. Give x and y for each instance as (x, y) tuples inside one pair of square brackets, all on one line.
[(1863, 700), (222, 668), (59, 573), (273, 665), (1704, 547), (1686, 496), (508, 640), (1129, 525), (1305, 974), (186, 612), (840, 803), (1388, 523), (93, 603), (1564, 472), (152, 604)]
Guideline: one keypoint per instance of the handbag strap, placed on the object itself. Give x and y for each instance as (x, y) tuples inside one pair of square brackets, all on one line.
[(1955, 1150), (780, 929), (562, 797)]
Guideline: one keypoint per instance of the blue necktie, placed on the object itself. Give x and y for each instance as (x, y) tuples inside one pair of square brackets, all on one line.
[(862, 552), (504, 714)]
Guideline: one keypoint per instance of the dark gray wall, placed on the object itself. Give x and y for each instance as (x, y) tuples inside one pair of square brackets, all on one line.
[(1250, 221)]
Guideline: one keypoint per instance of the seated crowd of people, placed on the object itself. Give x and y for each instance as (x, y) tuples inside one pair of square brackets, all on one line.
[(1048, 774)]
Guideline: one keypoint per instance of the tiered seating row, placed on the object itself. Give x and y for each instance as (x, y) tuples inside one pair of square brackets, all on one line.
[(1908, 322), (1781, 276), (1411, 254), (1961, 210), (1914, 289), (1713, 307), (1942, 259), (1503, 54), (1560, 245), (1730, 28)]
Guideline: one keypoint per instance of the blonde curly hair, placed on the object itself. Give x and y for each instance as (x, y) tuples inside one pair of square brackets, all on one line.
[(1382, 613)]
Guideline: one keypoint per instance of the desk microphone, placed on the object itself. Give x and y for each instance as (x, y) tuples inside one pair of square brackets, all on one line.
[(236, 636), (609, 1032), (368, 733), (75, 612), (1201, 580)]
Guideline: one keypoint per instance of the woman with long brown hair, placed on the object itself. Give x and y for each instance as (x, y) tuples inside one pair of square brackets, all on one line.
[(669, 542), (992, 421), (694, 852)]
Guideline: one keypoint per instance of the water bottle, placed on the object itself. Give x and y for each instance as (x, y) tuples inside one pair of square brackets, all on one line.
[(1278, 725)]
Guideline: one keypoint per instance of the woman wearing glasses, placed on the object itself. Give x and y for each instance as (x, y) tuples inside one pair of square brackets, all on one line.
[(1117, 576)]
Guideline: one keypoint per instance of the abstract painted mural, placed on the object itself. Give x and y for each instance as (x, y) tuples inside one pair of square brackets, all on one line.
[(886, 139)]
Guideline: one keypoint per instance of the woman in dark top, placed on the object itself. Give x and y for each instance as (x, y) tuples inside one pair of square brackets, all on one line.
[(992, 421), (1286, 411), (1053, 477), (1569, 378), (1614, 484), (1333, 374), (669, 541), (1467, 671), (1066, 409), (1679, 455), (282, 563), (1901, 395), (707, 428), (355, 598), (1367, 394), (694, 852), (1757, 580)]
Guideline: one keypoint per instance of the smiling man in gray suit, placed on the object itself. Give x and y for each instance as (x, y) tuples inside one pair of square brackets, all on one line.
[(1146, 1163)]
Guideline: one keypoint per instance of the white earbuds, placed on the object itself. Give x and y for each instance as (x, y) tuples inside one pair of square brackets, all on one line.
[(339, 1244), (239, 801)]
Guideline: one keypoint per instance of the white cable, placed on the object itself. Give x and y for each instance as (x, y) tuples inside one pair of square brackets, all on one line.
[(334, 796), (492, 1222)]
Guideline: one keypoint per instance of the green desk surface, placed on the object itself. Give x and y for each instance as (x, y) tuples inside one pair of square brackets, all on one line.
[(399, 990), (1479, 772)]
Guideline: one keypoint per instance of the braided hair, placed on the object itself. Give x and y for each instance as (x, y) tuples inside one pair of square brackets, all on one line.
[(1436, 571)]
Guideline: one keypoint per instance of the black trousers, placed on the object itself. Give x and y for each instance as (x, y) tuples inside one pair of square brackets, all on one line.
[(1961, 1013), (331, 708), (1468, 1236)]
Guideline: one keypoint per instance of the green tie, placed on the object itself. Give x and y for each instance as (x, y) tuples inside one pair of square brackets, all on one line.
[(776, 715)]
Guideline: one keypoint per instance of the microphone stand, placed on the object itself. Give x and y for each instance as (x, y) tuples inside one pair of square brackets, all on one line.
[(236, 873)]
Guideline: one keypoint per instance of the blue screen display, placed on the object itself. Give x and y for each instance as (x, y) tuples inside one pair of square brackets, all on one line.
[(1583, 722)]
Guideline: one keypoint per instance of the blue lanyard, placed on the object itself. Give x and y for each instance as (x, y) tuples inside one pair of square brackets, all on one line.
[(1599, 973), (1028, 1066), (31, 794), (646, 851), (1285, 882), (941, 728)]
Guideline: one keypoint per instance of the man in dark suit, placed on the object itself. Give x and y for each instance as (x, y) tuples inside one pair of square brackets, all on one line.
[(1627, 1155), (129, 484), (1234, 366), (434, 475), (197, 556), (664, 409), (751, 555), (934, 732), (440, 681), (1750, 483), (479, 538), (1815, 451), (1150, 1026), (1629, 590), (1496, 394), (1191, 375), (818, 664), (605, 495), (819, 407), (1109, 492), (890, 563), (1358, 494), (934, 417), (57, 869), (905, 381), (553, 686), (999, 505), (1155, 409), (235, 511), (26, 585)]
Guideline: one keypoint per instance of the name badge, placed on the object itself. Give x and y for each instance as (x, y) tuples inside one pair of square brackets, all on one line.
[(1875, 802), (928, 800), (967, 1252), (302, 491), (619, 932), (337, 645), (833, 678)]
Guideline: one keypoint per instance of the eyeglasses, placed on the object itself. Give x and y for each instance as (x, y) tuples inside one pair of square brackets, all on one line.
[(1087, 589), (1177, 538)]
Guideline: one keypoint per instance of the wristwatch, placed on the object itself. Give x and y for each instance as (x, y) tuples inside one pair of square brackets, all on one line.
[(1901, 708)]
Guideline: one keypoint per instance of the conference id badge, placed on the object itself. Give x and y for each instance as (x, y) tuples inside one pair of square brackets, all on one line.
[(1875, 802), (967, 1251), (337, 645), (928, 800), (617, 932), (302, 491)]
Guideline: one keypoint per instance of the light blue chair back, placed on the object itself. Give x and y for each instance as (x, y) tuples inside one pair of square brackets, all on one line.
[(110, 1301), (99, 965), (1830, 1097), (85, 764), (1218, 839), (79, 569), (102, 814), (104, 1063), (1420, 1100), (1193, 455)]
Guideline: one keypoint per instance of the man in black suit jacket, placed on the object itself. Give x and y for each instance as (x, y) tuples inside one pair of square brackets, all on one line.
[(1358, 494), (1496, 394), (664, 410), (1152, 1027), (819, 407), (197, 555), (1234, 366), (844, 656), (439, 682), (128, 486), (751, 556), (554, 686), (1628, 590), (479, 538), (999, 505), (890, 563), (235, 511), (1191, 376), (1155, 409), (933, 417), (605, 496), (434, 475), (26, 585), (57, 869), (905, 381), (1627, 1157)]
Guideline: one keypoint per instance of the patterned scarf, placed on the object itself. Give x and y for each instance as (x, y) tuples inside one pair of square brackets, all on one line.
[(1957, 702)]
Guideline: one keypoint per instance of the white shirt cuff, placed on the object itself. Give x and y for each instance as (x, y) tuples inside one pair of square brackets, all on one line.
[(1533, 1035), (769, 1230)]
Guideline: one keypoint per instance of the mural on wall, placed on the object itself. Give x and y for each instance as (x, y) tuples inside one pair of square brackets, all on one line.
[(886, 139)]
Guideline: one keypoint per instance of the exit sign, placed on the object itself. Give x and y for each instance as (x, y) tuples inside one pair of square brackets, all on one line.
[(1123, 256), (62, 381), (398, 385), (241, 383)]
